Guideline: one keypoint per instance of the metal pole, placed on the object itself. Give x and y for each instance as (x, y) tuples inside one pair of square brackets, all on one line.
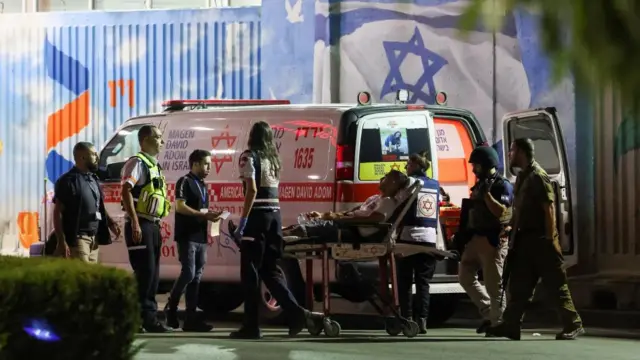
[(495, 92)]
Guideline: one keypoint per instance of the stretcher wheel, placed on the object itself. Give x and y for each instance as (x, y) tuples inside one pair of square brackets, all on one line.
[(332, 328), (393, 326), (410, 329)]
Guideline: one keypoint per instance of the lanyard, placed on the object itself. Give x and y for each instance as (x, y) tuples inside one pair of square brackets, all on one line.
[(203, 192), (94, 190)]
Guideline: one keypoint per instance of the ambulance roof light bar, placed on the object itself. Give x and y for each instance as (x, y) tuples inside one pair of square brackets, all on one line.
[(192, 104)]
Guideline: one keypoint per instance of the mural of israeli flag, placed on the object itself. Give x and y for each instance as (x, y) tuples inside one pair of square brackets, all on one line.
[(385, 46)]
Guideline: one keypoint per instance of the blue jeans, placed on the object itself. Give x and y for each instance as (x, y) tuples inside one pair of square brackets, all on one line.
[(193, 257)]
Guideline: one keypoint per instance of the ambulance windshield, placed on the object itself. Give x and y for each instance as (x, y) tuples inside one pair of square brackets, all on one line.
[(386, 143)]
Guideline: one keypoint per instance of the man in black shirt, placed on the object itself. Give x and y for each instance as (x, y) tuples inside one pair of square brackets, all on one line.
[(192, 216), (80, 218)]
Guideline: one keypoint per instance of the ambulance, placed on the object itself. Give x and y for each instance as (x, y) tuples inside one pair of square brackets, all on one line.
[(333, 156)]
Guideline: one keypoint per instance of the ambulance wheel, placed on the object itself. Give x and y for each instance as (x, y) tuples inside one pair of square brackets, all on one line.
[(410, 329), (219, 299), (314, 327), (332, 328), (393, 326)]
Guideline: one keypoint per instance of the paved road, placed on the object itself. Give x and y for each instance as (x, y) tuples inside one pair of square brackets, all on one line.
[(444, 343)]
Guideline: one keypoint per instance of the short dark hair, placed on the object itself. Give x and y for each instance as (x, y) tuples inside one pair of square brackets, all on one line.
[(526, 145), (420, 160), (197, 156), (81, 146), (400, 177), (145, 131)]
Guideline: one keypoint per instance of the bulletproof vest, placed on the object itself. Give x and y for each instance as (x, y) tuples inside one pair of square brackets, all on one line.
[(480, 217), (424, 211), (150, 198), (266, 183)]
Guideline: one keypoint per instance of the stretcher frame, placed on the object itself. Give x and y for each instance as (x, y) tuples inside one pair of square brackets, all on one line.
[(385, 252)]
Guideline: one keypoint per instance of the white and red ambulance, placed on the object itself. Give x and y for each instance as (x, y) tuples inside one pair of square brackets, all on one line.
[(333, 156)]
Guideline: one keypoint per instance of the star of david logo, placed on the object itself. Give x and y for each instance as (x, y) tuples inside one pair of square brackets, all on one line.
[(395, 167), (224, 136), (426, 205), (431, 62)]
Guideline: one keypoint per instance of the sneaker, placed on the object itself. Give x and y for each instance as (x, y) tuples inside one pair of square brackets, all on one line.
[(504, 331), (571, 334), (245, 333), (171, 316), (422, 326), (483, 327), (157, 328), (193, 323)]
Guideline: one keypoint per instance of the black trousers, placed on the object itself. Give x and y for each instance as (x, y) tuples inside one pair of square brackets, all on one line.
[(145, 261), (260, 249), (421, 267)]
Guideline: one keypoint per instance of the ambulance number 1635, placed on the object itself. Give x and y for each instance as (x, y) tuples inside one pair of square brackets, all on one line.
[(303, 158)]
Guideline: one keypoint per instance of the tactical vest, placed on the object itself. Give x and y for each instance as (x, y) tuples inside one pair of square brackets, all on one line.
[(150, 199), (481, 220), (267, 196), (424, 211)]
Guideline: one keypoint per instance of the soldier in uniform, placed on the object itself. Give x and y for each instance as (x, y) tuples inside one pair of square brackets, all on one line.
[(260, 234), (145, 201), (489, 214), (419, 227), (536, 252)]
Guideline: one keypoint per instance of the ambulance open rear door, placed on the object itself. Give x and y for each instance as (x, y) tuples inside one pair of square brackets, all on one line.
[(543, 128)]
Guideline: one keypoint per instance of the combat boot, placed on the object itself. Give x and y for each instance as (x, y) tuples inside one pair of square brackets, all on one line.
[(571, 333), (504, 330), (422, 326)]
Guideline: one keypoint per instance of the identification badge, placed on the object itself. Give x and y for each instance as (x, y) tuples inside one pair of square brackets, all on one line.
[(98, 216), (204, 211)]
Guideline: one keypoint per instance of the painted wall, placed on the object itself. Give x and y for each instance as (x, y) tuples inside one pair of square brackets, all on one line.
[(71, 83), (67, 83)]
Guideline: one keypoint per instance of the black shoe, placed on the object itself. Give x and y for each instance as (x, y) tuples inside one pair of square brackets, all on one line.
[(571, 334), (505, 331), (157, 328), (192, 323), (172, 318), (483, 327), (245, 333), (422, 326)]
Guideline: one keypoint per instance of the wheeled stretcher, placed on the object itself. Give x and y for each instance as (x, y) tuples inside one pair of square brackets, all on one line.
[(350, 252)]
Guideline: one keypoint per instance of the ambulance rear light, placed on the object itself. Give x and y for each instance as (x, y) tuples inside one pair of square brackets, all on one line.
[(181, 104), (345, 155)]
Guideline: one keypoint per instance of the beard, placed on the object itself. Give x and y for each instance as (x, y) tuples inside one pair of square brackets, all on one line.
[(93, 167)]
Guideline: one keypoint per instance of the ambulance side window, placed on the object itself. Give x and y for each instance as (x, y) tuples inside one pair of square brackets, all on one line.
[(540, 131), (113, 156)]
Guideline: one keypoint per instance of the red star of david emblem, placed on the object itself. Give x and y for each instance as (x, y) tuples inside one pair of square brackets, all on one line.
[(395, 167), (427, 205), (219, 161), (224, 136)]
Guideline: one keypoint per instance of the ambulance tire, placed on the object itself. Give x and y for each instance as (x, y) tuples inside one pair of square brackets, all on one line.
[(441, 308), (219, 299), (269, 308)]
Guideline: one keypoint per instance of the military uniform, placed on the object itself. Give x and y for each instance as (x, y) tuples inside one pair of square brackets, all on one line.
[(533, 256), (149, 192)]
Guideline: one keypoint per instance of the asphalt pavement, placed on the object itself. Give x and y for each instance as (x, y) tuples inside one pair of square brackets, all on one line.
[(442, 343)]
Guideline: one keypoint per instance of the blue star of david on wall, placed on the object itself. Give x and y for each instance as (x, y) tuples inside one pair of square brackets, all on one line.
[(431, 63)]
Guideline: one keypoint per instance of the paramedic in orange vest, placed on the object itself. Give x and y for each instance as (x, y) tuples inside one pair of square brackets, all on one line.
[(419, 224)]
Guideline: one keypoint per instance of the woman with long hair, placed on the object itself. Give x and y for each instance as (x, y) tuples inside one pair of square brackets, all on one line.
[(259, 234)]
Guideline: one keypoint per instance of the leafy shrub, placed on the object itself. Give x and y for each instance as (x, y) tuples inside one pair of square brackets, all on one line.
[(92, 310)]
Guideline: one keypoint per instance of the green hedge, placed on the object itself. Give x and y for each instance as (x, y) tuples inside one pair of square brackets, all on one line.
[(92, 309)]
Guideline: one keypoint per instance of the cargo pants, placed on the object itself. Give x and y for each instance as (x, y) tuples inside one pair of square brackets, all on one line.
[(478, 255), (536, 258)]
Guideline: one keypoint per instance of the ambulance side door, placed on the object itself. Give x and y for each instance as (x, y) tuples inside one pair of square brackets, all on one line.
[(543, 127)]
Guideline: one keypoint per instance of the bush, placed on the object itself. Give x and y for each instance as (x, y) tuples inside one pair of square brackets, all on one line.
[(91, 309)]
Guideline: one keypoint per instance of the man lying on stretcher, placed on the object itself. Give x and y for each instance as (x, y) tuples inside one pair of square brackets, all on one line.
[(376, 209)]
